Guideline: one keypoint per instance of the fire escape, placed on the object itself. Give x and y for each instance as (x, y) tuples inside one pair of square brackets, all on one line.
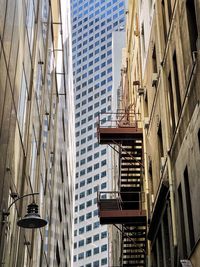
[(125, 207)]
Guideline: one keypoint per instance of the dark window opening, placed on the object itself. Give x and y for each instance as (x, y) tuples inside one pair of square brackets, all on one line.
[(169, 5), (57, 254), (176, 82), (199, 138), (192, 24), (61, 168), (171, 103), (164, 20), (160, 249), (189, 208), (154, 60), (182, 222), (63, 241), (166, 240), (160, 141), (59, 209)]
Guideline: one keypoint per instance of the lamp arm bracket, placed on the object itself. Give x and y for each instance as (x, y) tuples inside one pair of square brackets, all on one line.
[(7, 212)]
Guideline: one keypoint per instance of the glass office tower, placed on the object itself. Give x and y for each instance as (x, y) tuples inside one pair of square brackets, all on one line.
[(93, 22)]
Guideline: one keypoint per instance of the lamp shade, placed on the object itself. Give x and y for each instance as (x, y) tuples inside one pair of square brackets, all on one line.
[(32, 219)]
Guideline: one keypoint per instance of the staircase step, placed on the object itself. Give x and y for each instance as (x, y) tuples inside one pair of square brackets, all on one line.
[(134, 253), (133, 264), (136, 235)]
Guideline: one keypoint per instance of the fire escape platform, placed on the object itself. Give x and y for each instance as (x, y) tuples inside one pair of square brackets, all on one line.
[(110, 135), (135, 217)]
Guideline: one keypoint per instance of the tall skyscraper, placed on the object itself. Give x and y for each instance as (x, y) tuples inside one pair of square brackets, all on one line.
[(92, 25)]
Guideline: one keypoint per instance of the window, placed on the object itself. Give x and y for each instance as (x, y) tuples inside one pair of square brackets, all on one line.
[(82, 218), (89, 192), (103, 163), (95, 213), (199, 138), (89, 203), (171, 103), (21, 113), (96, 264), (103, 152), (82, 172), (82, 194), (88, 253), (89, 180), (82, 206), (75, 245), (103, 174), (192, 24), (82, 162), (103, 234), (103, 248), (82, 183), (96, 177), (96, 166), (96, 188), (83, 141), (96, 225), (90, 127), (89, 158), (89, 148), (89, 169), (104, 261), (88, 240), (176, 82), (182, 222), (96, 105), (95, 251), (96, 237), (103, 185), (189, 209), (83, 152), (81, 256), (88, 228), (81, 243), (89, 215), (81, 230)]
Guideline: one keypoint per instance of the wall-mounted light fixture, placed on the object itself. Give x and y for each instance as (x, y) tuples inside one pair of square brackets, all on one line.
[(32, 219)]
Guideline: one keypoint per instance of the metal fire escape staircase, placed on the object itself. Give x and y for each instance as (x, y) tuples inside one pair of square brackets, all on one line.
[(126, 207)]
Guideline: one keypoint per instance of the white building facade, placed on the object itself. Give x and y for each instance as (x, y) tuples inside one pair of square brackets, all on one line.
[(92, 25)]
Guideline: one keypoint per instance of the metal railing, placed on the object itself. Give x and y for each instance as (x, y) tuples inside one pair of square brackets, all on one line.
[(120, 119), (117, 200)]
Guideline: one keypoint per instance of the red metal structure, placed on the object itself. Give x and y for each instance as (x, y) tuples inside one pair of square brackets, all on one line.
[(125, 207)]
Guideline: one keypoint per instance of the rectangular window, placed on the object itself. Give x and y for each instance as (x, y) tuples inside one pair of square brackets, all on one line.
[(192, 24), (171, 103), (182, 222), (176, 83), (189, 208)]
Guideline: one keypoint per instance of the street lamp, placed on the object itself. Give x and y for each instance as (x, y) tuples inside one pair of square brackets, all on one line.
[(32, 219)]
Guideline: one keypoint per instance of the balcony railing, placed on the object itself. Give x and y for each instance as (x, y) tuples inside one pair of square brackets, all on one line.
[(119, 119), (115, 200), (121, 207)]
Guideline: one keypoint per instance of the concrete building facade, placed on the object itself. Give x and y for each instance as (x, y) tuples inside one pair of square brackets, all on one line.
[(162, 79), (37, 151), (171, 78)]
